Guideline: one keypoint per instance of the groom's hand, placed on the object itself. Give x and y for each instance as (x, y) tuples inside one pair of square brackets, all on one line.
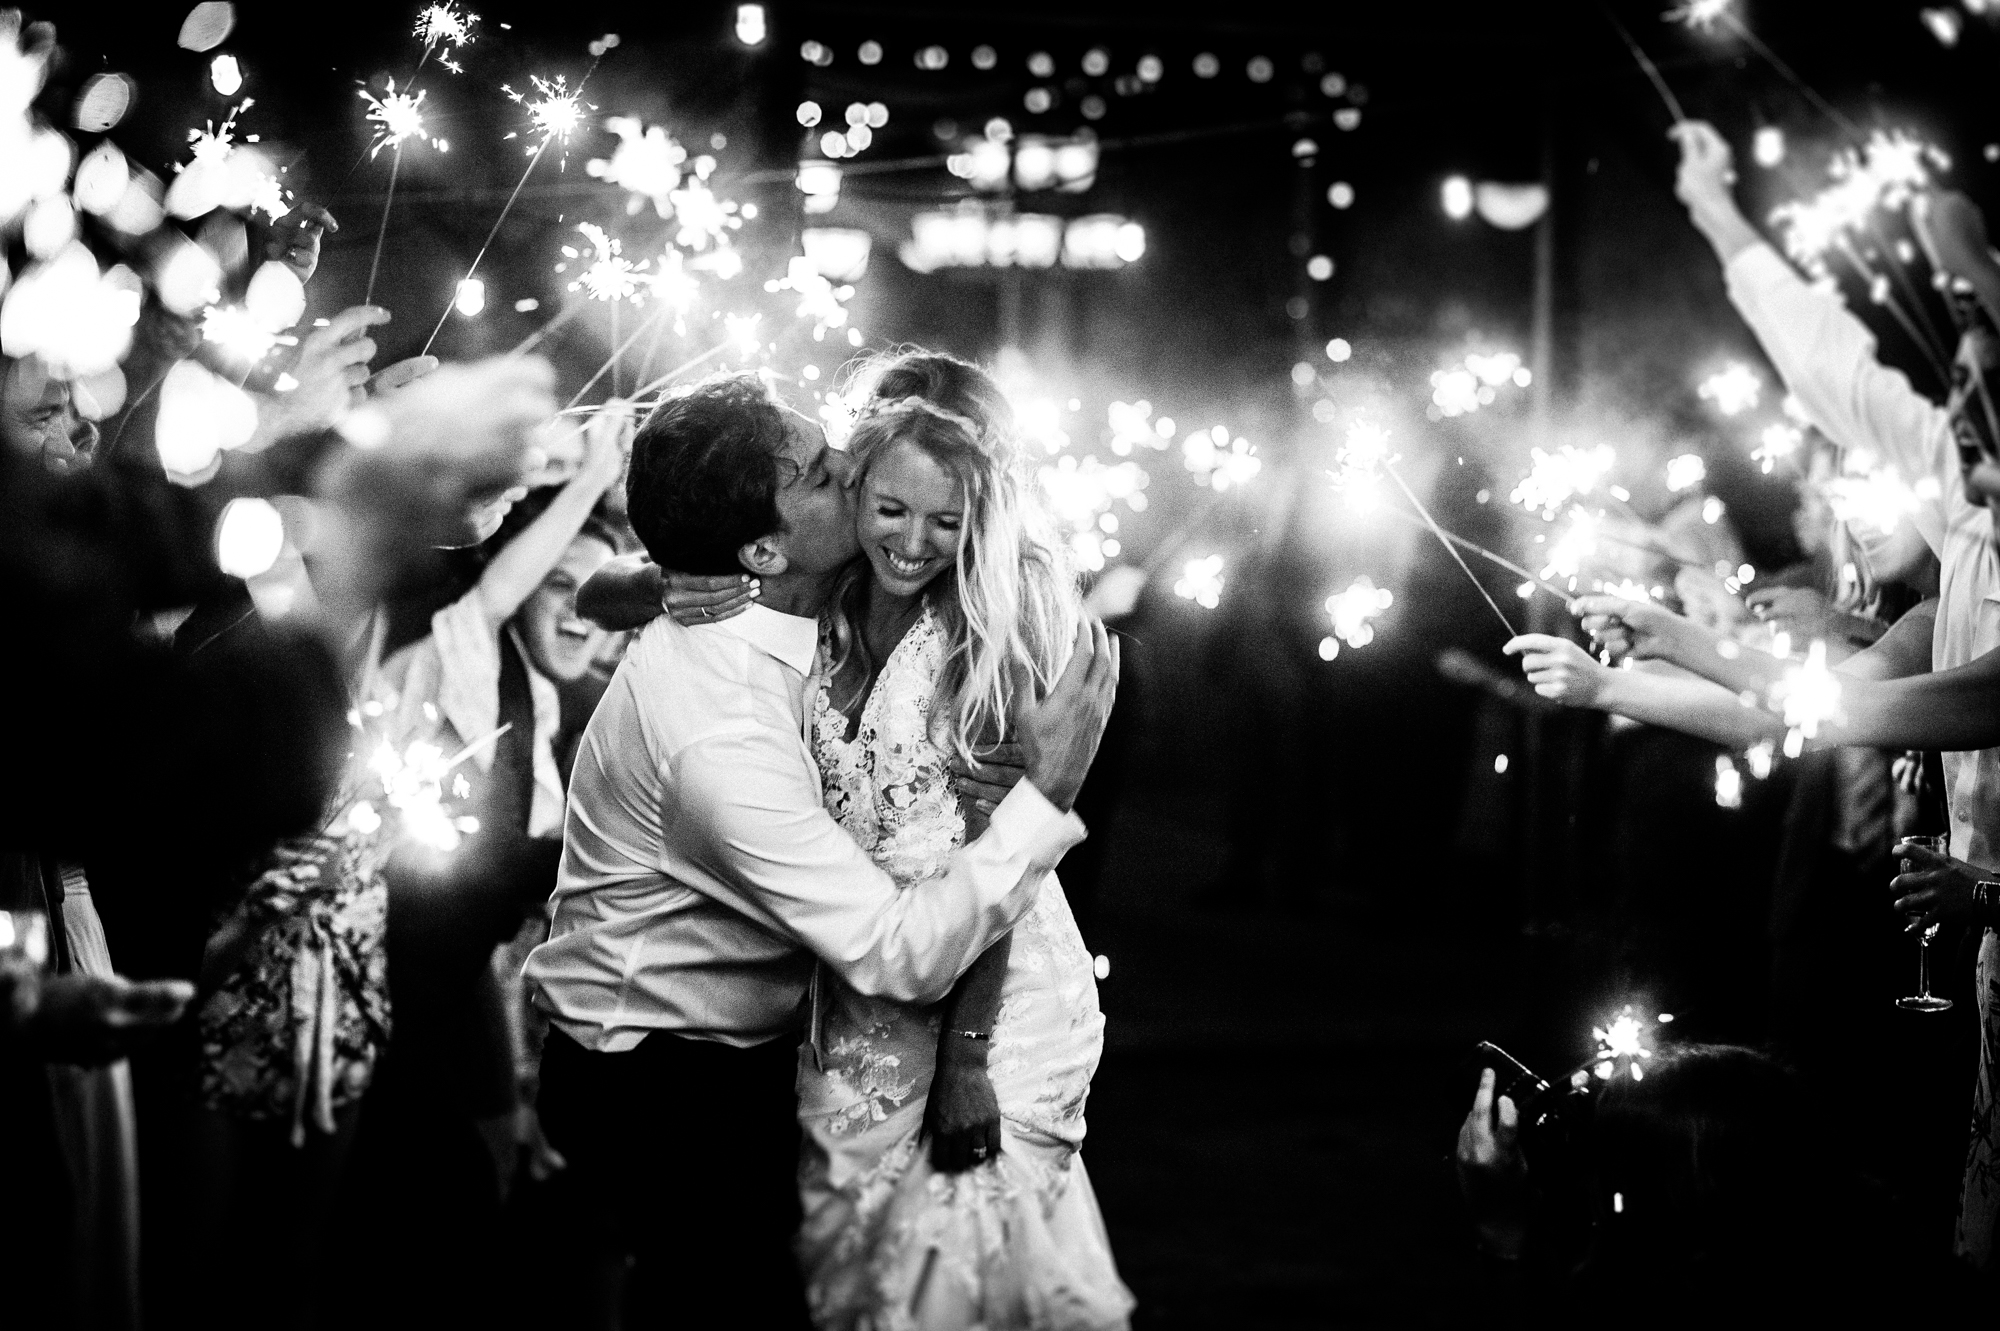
[(983, 782), (1059, 734)]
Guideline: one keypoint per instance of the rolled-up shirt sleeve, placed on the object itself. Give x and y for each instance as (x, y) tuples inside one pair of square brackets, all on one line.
[(745, 808), (1827, 358)]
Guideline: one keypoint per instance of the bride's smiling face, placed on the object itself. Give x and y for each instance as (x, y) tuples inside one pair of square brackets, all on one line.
[(911, 519)]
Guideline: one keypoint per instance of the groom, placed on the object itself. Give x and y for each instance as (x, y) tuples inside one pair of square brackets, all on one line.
[(702, 878)]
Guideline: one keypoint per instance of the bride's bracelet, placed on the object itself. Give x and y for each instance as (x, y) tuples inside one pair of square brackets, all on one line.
[(988, 1035)]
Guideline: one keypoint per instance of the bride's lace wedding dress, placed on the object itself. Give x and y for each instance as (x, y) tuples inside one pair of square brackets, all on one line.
[(888, 1242)]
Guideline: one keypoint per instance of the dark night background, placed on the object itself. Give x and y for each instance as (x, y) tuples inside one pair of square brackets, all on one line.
[(1290, 1023)]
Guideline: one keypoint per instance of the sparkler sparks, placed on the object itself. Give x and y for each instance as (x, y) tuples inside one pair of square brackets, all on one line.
[(1685, 472), (413, 783), (555, 114), (1350, 612), (1462, 389), (1201, 582), (1778, 442), (444, 30), (1699, 14), (1886, 173), (819, 300), (1554, 479), (1360, 460), (610, 275), (1575, 547), (1219, 462), (1734, 389), (1806, 698), (238, 332), (1082, 494), (647, 162), (1625, 1040), (1879, 499), (396, 116)]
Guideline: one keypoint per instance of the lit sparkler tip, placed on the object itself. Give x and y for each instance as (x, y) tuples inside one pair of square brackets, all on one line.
[(556, 113), (1807, 697), (1352, 610), (1699, 14), (1554, 479), (397, 116), (445, 25)]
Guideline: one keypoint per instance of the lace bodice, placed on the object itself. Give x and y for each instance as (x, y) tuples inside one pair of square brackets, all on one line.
[(890, 786)]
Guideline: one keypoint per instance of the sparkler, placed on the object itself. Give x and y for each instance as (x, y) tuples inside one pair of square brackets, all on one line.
[(1728, 783), (610, 275), (1647, 67), (1081, 495), (1625, 1040), (1778, 442), (1807, 697), (819, 300), (1389, 466), (555, 115), (1575, 546), (1879, 498), (646, 162), (1554, 479), (444, 30), (397, 116), (1698, 14)]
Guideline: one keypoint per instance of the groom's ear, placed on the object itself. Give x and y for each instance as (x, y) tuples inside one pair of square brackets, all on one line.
[(764, 556)]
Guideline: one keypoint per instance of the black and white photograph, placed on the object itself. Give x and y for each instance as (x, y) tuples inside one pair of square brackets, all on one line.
[(667, 652)]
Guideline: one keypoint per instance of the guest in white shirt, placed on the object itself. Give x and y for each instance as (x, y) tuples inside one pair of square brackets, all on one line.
[(702, 876)]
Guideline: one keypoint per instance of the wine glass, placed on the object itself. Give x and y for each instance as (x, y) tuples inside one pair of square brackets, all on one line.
[(1924, 1000)]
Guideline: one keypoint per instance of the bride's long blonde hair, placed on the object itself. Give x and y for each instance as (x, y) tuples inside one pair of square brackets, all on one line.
[(1009, 605)]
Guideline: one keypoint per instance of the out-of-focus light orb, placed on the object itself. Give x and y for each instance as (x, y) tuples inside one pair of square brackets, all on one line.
[(751, 29), (1206, 66), (1457, 198), (1333, 85), (1093, 107), (1201, 582), (275, 297), (1499, 764), (200, 416), (207, 26), (1130, 244), (878, 115), (984, 57), (1340, 194), (225, 75), (1042, 65), (1711, 510), (933, 58), (77, 320), (1303, 374), (102, 178), (1151, 68), (999, 130), (470, 298), (1347, 118), (1319, 268), (1339, 350), (1305, 149), (856, 113), (249, 537), (1767, 146), (1945, 25), (859, 137), (1096, 61), (833, 143), (1037, 100), (1685, 472), (809, 114), (1100, 966), (1260, 69), (1734, 389), (527, 305), (815, 53), (102, 103), (870, 53)]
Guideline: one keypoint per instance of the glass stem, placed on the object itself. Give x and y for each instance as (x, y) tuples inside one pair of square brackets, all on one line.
[(1924, 965)]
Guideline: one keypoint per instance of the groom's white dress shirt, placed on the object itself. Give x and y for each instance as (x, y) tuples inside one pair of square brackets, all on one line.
[(701, 875)]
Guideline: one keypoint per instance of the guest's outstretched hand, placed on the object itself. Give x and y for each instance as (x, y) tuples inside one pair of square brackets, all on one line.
[(1933, 887), (329, 375), (1559, 669), (1706, 182), (1492, 1172)]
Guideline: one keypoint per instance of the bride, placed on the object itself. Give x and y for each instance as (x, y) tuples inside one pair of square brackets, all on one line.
[(941, 1183)]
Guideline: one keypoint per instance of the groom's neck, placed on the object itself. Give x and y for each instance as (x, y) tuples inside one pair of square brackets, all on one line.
[(802, 594)]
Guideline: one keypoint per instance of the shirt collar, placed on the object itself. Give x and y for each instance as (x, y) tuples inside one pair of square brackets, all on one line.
[(792, 639)]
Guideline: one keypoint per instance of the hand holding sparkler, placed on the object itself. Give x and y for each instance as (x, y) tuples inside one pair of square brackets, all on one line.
[(1560, 670), (400, 374), (1933, 888), (1642, 630), (1492, 1171), (329, 374), (294, 239), (1705, 183)]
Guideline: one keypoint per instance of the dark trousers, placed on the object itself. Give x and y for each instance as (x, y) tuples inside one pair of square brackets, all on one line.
[(683, 1156)]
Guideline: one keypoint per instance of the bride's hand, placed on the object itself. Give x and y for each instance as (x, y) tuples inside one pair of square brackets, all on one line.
[(697, 600), (962, 1115), (982, 784)]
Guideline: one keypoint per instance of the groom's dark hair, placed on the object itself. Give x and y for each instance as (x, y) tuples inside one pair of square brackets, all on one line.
[(705, 474)]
